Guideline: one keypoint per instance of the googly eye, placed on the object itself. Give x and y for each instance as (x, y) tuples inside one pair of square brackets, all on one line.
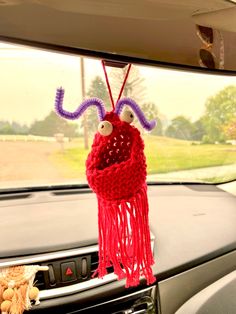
[(127, 116), (105, 128)]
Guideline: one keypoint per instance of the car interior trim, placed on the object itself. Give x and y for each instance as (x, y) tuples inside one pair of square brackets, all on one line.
[(114, 57), (190, 282), (213, 296)]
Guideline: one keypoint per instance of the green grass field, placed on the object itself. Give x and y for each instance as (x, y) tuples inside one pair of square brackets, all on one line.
[(163, 155)]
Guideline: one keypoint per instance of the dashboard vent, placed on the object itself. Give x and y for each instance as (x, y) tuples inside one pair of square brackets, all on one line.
[(39, 281), (94, 264), (72, 192), (11, 197)]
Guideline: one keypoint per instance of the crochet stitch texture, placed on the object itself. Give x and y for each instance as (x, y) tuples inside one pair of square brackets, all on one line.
[(116, 171)]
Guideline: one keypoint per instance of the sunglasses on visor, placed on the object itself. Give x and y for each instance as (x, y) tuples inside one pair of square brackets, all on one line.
[(206, 56)]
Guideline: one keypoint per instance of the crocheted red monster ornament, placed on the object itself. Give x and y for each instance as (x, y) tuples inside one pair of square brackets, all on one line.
[(116, 172)]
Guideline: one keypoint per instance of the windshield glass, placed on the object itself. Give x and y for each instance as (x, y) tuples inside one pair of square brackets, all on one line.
[(194, 141)]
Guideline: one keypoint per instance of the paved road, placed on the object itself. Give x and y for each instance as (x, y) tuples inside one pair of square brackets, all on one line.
[(27, 161), (195, 174)]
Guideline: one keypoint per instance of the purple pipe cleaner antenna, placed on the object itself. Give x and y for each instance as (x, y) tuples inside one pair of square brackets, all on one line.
[(147, 125), (81, 109)]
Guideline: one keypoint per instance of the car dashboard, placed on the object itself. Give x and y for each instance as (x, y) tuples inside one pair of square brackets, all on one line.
[(193, 237)]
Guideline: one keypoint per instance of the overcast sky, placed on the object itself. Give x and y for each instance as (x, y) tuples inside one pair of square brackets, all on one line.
[(29, 79)]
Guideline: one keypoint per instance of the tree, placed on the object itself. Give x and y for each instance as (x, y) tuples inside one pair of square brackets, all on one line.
[(199, 130), (151, 113), (220, 110), (230, 129), (12, 128), (53, 124), (134, 87), (6, 128), (181, 128), (97, 89), (19, 128)]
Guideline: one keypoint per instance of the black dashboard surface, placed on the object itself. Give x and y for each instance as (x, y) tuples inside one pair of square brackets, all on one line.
[(191, 224)]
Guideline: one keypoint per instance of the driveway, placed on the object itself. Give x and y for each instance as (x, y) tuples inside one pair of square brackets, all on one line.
[(29, 162)]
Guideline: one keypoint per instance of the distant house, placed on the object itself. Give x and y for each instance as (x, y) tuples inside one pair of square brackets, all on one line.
[(232, 142)]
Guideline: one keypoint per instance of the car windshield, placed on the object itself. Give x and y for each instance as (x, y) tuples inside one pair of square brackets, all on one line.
[(194, 140)]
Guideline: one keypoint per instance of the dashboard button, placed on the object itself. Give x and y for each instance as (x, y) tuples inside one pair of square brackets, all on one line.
[(84, 267), (52, 279), (68, 271)]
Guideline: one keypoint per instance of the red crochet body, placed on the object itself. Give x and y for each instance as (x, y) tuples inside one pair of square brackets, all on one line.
[(116, 166), (116, 171)]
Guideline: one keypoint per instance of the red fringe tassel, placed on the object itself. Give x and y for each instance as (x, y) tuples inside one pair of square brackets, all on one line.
[(124, 239)]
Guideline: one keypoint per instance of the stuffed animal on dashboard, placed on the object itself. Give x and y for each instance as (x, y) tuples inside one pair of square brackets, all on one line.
[(116, 172)]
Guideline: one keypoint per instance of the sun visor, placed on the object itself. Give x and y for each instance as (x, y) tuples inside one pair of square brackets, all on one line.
[(224, 20)]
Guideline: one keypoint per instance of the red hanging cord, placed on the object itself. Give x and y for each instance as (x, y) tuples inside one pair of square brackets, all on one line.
[(109, 87), (108, 84), (123, 85)]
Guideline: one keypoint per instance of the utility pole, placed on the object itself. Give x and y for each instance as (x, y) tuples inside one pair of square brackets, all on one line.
[(86, 146)]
